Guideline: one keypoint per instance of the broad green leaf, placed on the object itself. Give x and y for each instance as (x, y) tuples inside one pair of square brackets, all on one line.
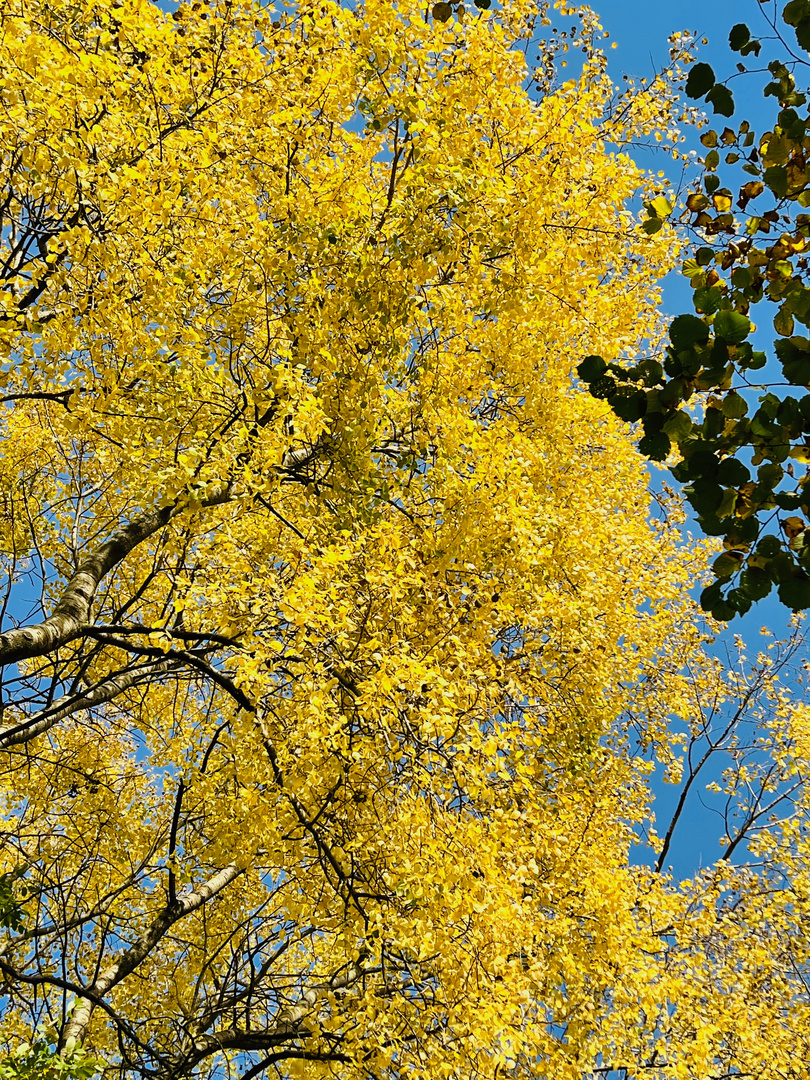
[(655, 446), (686, 330), (711, 595), (721, 99), (783, 321), (738, 601), (628, 404), (739, 36), (795, 11), (728, 503), (591, 368), (678, 425), (707, 300), (734, 405), (603, 386), (699, 81), (755, 583), (731, 326), (725, 565), (795, 592), (732, 473)]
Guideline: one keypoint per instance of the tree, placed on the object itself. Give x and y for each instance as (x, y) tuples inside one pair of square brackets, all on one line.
[(337, 636), (752, 250)]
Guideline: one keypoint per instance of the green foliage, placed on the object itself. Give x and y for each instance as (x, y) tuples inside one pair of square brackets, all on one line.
[(739, 36), (700, 80), (760, 255), (41, 1060)]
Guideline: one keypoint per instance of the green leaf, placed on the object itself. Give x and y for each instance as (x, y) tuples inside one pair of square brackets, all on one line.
[(728, 503), (722, 100), (789, 415), (733, 473), (648, 370), (483, 5), (783, 322), (678, 425), (762, 425), (702, 463), (687, 330), (628, 404), (785, 500), (442, 12), (603, 386), (713, 423), (737, 601), (652, 225), (700, 81), (740, 35), (770, 475), (707, 299), (12, 915), (704, 495), (795, 360), (591, 368), (755, 583), (734, 406), (731, 326), (795, 593), (725, 565), (776, 179), (795, 11), (769, 546), (724, 611), (655, 445), (758, 360), (781, 567), (711, 596), (799, 301), (803, 33)]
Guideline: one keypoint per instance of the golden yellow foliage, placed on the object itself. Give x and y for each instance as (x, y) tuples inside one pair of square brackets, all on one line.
[(342, 606)]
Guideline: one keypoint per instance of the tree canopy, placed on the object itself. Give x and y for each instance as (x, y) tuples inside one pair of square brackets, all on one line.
[(340, 641)]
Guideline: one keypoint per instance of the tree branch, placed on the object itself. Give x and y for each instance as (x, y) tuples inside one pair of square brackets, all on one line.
[(103, 691), (137, 952), (73, 610)]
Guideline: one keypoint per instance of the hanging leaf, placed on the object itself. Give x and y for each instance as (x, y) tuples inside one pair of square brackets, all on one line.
[(739, 36), (721, 100), (699, 81)]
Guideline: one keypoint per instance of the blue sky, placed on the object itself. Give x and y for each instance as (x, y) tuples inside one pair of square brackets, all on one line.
[(641, 28)]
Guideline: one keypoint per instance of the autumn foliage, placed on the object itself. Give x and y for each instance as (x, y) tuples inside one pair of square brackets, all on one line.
[(340, 642)]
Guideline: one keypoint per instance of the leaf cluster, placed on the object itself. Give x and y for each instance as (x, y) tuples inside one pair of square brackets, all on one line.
[(740, 454)]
